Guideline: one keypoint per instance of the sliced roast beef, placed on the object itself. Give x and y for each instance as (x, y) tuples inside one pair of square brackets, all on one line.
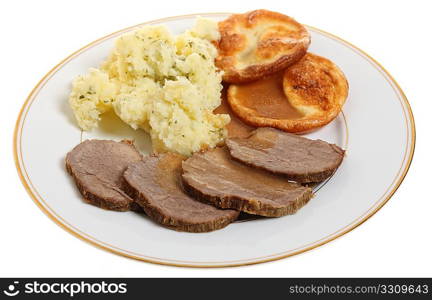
[(214, 177), (156, 186), (299, 159), (97, 167)]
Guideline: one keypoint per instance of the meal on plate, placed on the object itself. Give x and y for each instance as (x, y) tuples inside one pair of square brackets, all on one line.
[(224, 104)]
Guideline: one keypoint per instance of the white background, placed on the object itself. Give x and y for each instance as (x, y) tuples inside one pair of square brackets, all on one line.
[(36, 35)]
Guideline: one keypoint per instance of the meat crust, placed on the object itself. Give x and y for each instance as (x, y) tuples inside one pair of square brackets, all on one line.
[(155, 185), (297, 158), (97, 168), (214, 177)]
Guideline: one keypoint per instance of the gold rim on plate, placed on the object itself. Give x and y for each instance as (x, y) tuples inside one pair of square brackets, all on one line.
[(406, 162)]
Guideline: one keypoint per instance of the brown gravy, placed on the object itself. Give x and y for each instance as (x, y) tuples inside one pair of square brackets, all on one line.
[(267, 98), (236, 128)]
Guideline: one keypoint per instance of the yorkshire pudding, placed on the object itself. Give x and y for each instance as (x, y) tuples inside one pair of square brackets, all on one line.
[(258, 43), (314, 89)]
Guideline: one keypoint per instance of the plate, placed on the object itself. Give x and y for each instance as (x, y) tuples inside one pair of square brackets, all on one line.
[(376, 128)]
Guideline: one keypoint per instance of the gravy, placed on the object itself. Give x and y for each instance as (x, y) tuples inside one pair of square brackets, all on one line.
[(267, 98), (236, 128)]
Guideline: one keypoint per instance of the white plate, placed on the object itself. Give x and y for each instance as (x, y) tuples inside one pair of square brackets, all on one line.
[(376, 128)]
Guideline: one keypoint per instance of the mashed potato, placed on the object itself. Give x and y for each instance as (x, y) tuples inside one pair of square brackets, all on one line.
[(167, 85)]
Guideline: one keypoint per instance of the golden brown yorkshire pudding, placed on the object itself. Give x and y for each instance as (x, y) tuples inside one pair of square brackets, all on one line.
[(258, 43), (308, 95)]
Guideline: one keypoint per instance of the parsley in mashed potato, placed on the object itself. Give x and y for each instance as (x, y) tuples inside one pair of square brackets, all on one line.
[(167, 85)]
